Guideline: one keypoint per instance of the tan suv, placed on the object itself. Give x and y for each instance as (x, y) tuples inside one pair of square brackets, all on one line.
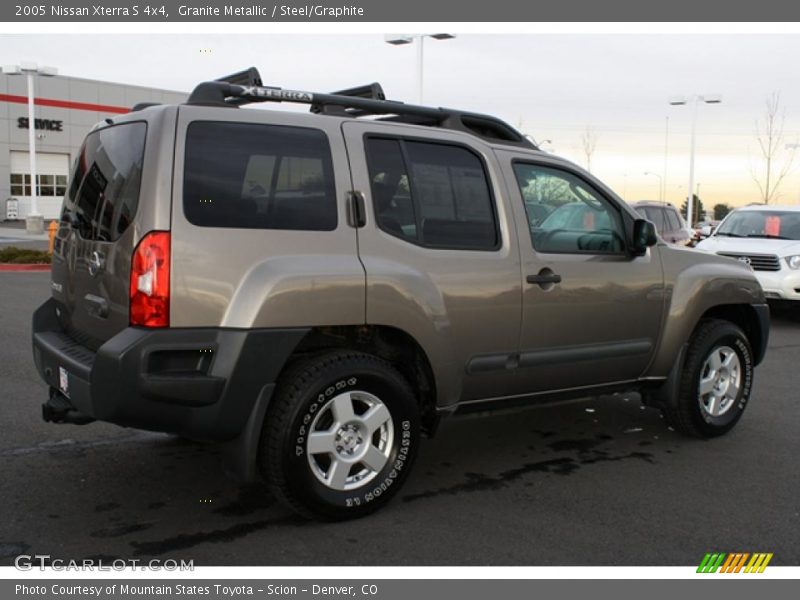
[(669, 223), (316, 291)]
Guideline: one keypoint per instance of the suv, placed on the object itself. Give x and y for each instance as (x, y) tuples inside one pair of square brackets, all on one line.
[(316, 291), (668, 221), (767, 238)]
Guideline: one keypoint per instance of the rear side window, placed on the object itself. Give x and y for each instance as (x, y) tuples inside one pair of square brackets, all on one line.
[(657, 216), (673, 221), (258, 177), (103, 194), (432, 194)]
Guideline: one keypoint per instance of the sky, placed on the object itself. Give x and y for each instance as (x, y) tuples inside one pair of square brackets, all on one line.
[(551, 86)]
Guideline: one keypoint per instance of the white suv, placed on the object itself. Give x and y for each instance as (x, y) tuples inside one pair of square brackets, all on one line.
[(768, 239)]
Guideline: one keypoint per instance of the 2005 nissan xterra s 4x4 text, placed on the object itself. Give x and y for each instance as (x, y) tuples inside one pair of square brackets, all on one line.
[(317, 290)]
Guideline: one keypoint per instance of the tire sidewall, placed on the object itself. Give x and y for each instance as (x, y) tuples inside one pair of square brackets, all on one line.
[(733, 338), (390, 389)]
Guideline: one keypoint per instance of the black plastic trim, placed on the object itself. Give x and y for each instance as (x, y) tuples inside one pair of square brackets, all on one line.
[(763, 322), (212, 402)]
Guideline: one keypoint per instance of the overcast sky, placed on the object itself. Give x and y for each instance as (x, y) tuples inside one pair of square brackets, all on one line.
[(551, 86)]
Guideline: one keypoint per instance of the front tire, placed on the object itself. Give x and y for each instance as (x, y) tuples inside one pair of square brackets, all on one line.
[(340, 435), (715, 382)]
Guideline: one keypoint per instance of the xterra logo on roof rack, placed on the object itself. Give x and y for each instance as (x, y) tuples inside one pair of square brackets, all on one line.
[(277, 94)]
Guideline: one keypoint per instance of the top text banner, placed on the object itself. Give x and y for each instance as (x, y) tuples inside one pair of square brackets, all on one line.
[(154, 11)]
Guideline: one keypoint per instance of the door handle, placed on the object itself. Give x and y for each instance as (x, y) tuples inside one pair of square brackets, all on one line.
[(357, 213), (544, 277)]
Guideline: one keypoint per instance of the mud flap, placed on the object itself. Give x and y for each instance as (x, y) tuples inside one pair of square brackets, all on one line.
[(667, 393), (240, 455)]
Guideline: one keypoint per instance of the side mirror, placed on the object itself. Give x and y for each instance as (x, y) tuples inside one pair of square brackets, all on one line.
[(705, 230), (644, 236)]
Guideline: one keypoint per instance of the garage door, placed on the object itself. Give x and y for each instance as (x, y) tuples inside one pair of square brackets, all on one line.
[(52, 170)]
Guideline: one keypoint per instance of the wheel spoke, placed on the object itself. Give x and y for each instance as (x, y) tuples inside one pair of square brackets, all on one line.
[(374, 459), (733, 387), (729, 359), (707, 384), (714, 360), (342, 408), (321, 442), (713, 405), (337, 474), (375, 417)]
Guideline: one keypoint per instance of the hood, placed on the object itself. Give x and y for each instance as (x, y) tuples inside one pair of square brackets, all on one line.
[(749, 245)]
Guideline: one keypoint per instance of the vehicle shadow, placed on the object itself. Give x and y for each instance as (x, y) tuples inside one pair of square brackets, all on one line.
[(157, 496)]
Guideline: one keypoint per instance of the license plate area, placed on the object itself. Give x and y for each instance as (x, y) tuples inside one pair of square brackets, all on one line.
[(63, 381)]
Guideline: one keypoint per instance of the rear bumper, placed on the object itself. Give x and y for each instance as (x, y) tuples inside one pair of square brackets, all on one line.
[(201, 383)]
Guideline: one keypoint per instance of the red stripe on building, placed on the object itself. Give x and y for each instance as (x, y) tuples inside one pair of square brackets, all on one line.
[(104, 108), (8, 267)]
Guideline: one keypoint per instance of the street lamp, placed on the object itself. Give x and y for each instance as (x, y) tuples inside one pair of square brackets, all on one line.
[(660, 184), (402, 39), (695, 100), (34, 222)]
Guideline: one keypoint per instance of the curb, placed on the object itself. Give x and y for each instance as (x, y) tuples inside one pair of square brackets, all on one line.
[(22, 268)]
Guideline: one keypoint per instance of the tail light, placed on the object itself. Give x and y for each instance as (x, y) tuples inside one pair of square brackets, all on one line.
[(149, 291)]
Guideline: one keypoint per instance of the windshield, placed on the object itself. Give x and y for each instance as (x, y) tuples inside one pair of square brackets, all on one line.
[(773, 224)]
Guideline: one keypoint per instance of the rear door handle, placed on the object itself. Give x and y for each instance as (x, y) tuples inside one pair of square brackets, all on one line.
[(357, 209), (544, 278)]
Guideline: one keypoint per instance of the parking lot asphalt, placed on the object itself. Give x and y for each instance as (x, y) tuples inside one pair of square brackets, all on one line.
[(595, 482)]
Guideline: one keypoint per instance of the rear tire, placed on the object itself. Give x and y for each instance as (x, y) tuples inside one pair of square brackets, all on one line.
[(340, 435), (715, 382)]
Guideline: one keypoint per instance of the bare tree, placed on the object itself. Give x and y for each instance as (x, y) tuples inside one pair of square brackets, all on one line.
[(589, 142), (777, 158)]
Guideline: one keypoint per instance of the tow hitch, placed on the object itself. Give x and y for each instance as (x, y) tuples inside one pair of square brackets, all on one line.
[(58, 409)]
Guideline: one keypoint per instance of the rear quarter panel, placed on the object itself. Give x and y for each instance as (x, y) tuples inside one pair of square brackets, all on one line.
[(248, 278)]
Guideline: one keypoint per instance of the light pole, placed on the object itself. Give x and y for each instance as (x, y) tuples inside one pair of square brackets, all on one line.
[(660, 184), (695, 100), (34, 222), (792, 147), (666, 155), (401, 39)]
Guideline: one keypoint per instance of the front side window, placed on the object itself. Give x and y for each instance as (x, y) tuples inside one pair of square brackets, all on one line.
[(431, 194), (258, 177), (565, 215)]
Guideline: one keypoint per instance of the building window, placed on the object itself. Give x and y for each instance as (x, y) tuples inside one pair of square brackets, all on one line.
[(47, 185)]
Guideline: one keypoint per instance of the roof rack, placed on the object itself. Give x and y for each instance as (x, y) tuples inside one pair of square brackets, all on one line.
[(245, 87)]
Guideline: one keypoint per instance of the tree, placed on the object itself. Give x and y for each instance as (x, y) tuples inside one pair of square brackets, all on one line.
[(776, 157), (721, 211), (589, 143), (697, 210)]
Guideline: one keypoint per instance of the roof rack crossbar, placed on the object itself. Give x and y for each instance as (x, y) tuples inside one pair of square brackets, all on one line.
[(371, 90), (249, 76)]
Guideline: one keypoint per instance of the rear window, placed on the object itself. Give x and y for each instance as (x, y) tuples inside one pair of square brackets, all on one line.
[(258, 177), (103, 194)]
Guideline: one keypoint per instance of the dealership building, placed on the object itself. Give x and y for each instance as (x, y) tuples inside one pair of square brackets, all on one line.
[(66, 108)]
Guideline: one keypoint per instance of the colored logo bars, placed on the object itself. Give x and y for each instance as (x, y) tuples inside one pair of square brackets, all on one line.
[(735, 562)]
